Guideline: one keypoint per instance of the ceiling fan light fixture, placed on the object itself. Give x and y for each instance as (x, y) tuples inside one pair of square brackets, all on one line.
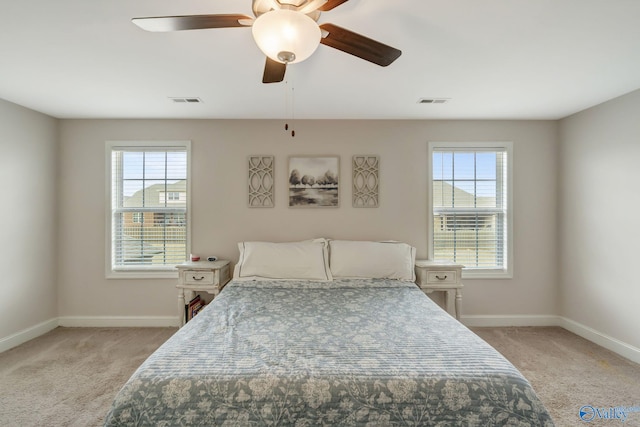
[(286, 36)]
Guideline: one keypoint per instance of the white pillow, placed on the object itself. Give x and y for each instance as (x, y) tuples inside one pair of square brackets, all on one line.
[(307, 260), (375, 260)]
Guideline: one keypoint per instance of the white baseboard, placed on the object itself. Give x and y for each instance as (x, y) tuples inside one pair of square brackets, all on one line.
[(118, 321), (481, 321), (27, 334), (623, 349)]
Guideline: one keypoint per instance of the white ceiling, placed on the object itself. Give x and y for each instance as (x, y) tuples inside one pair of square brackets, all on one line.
[(493, 59)]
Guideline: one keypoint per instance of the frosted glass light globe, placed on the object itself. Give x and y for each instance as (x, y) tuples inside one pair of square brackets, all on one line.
[(286, 36)]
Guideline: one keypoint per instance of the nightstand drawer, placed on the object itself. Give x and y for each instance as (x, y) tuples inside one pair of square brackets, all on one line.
[(442, 276), (196, 277)]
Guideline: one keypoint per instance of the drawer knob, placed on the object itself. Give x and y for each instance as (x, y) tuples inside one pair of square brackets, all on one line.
[(194, 278), (441, 278)]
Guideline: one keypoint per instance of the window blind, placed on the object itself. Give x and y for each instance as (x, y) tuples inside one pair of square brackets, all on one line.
[(470, 207), (148, 207)]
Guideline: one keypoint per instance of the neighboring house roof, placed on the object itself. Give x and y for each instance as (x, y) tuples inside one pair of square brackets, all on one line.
[(152, 196)]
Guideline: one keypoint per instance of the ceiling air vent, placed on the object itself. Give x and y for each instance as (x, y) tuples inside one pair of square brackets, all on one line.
[(432, 100), (190, 100)]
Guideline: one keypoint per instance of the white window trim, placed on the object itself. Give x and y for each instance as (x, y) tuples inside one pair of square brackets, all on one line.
[(506, 273), (141, 272)]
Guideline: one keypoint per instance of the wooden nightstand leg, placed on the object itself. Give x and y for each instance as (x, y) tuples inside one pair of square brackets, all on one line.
[(458, 303), (181, 307)]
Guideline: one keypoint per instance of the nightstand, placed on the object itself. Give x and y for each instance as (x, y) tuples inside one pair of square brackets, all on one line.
[(200, 276), (441, 276)]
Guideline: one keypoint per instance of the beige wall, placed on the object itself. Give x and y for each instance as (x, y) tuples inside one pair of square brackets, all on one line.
[(575, 207), (28, 165), (600, 205), (221, 218)]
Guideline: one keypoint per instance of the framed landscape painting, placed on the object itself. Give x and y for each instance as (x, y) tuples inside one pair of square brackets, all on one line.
[(314, 182)]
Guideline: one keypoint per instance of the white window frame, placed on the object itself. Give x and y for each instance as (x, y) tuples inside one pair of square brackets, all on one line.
[(471, 273), (140, 272)]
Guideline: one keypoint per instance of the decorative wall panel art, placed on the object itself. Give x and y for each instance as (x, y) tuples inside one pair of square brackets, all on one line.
[(366, 182), (261, 188)]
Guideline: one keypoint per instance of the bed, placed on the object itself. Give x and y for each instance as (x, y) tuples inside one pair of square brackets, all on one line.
[(343, 350)]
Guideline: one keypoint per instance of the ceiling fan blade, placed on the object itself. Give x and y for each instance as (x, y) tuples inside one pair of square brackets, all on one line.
[(331, 4), (273, 71), (357, 45), (192, 22)]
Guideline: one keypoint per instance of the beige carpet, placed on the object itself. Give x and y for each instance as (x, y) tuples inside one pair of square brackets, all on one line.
[(69, 376), (569, 372)]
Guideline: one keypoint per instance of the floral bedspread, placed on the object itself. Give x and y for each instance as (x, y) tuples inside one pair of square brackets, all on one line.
[(347, 352)]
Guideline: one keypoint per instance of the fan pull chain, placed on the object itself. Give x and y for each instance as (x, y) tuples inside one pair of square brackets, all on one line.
[(293, 111), (286, 125)]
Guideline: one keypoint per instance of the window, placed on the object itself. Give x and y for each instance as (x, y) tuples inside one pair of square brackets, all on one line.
[(172, 197), (470, 213), (148, 189), (137, 217)]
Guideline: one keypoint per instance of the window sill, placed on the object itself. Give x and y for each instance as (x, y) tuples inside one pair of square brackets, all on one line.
[(486, 274), (139, 274)]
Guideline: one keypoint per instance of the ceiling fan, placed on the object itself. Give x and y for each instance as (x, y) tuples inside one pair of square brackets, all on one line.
[(285, 30)]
